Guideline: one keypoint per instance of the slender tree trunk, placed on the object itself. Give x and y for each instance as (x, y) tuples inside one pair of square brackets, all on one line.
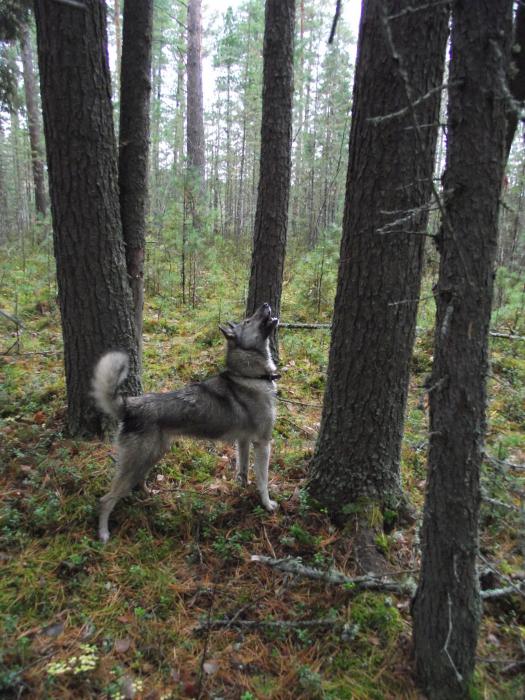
[(118, 44), (389, 184), (447, 604), (516, 74), (35, 139), (94, 294), (5, 218), (228, 194), (135, 84), (194, 114), (271, 218)]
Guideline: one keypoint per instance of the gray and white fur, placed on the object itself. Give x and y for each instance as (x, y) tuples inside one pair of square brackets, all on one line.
[(235, 405)]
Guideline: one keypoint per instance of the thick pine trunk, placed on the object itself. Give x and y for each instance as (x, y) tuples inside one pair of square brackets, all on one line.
[(271, 218), (447, 605), (135, 83), (94, 294), (33, 120), (389, 179)]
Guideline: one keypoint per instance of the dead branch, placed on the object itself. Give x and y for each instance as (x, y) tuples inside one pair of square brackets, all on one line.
[(500, 504), (407, 110), (327, 326), (370, 581), (335, 20), (511, 588), (18, 323), (413, 10), (300, 403), (492, 593), (306, 326), (502, 463), (507, 336), (271, 624)]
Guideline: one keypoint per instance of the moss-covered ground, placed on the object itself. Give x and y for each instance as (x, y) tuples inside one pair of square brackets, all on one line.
[(129, 619)]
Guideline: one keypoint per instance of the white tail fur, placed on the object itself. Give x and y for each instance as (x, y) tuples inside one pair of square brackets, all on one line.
[(111, 370)]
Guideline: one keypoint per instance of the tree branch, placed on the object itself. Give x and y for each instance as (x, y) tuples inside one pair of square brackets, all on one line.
[(369, 582), (335, 20)]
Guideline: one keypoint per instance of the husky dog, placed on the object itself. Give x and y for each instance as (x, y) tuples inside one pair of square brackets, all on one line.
[(236, 405)]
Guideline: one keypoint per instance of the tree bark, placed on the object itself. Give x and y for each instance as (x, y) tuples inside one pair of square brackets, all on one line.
[(194, 115), (271, 218), (93, 290), (33, 120), (389, 185), (135, 81), (516, 75), (447, 604)]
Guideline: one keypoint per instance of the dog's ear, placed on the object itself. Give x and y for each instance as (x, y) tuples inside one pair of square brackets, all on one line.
[(228, 331)]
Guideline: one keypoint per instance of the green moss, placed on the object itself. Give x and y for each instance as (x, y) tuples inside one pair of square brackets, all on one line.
[(378, 613)]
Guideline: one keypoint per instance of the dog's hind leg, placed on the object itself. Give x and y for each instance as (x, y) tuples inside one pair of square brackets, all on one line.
[(243, 461), (136, 456), (262, 460)]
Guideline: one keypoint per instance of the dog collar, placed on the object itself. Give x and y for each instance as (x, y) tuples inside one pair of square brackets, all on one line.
[(266, 377)]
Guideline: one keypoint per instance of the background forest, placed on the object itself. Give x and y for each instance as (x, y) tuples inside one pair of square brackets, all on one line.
[(174, 606)]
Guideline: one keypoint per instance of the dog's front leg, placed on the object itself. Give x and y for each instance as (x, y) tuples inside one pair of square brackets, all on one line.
[(262, 460), (243, 460)]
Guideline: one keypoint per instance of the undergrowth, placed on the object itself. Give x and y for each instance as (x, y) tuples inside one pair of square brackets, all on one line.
[(130, 619)]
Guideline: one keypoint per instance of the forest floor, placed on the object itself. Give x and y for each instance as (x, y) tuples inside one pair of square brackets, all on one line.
[(135, 618)]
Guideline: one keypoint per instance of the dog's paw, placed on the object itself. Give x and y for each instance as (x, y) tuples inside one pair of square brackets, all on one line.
[(242, 479), (103, 536), (270, 506)]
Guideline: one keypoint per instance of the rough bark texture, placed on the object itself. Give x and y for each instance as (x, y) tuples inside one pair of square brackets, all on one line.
[(194, 117), (134, 144), (516, 74), (388, 189), (271, 218), (93, 290), (447, 605), (33, 121), (195, 120)]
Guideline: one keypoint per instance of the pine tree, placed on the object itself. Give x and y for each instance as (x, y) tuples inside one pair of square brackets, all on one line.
[(389, 186), (93, 289)]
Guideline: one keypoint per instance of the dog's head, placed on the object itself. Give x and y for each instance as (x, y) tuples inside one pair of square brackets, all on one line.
[(253, 332)]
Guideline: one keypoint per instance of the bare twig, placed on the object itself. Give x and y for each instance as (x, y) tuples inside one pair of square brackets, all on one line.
[(300, 403), (306, 326), (412, 10), (308, 432), (380, 119), (410, 301)]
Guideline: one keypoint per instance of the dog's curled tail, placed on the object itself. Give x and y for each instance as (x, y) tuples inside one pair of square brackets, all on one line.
[(111, 370)]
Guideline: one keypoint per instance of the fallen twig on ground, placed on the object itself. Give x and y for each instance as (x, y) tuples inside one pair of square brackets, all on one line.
[(334, 577)]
